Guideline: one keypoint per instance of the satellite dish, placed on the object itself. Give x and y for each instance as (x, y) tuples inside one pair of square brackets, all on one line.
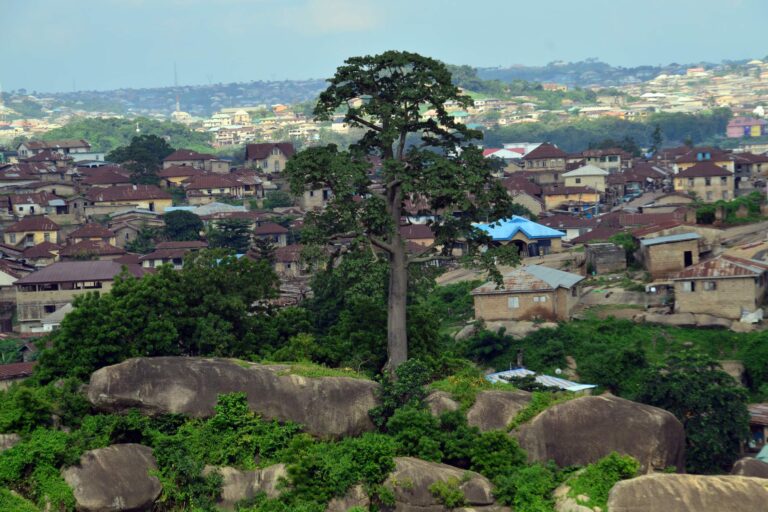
[(558, 371)]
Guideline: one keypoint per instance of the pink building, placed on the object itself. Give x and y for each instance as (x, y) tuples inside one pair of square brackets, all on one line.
[(739, 127)]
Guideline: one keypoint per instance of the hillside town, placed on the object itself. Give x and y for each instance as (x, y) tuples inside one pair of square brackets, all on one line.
[(500, 277)]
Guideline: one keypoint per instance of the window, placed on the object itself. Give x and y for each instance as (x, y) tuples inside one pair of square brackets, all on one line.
[(277, 165), (311, 193), (723, 180), (21, 208), (265, 164), (710, 286), (47, 237), (49, 308), (709, 196), (725, 194), (12, 237), (689, 286), (513, 302), (574, 292), (540, 298), (707, 181), (690, 182), (578, 180)]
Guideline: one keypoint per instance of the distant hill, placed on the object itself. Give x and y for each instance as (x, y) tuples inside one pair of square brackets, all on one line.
[(590, 72)]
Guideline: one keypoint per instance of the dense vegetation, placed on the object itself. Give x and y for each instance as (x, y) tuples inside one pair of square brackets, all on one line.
[(579, 134), (111, 133)]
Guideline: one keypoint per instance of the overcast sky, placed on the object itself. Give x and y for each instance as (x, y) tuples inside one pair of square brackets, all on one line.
[(55, 45)]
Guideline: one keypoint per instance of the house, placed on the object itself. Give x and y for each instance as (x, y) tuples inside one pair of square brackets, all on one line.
[(15, 372), (667, 254), (419, 234), (41, 255), (587, 176), (172, 253), (315, 198), (758, 427), (739, 127), (708, 181), (38, 203), (571, 225), (605, 258), (48, 289), (126, 224), (531, 238), (275, 233), (33, 147), (269, 156), (578, 199), (288, 262), (547, 162), (10, 272), (90, 250), (748, 165), (725, 286), (187, 157), (204, 188), (94, 232), (528, 292), (107, 176), (175, 175), (694, 156), (524, 192), (32, 230), (612, 160), (103, 201)]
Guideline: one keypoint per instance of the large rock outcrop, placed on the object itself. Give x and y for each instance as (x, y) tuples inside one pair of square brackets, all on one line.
[(325, 406), (495, 410), (115, 478), (586, 429), (412, 478), (689, 493), (749, 466), (237, 485)]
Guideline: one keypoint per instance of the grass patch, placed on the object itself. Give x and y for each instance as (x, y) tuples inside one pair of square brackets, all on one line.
[(597, 479), (624, 282), (15, 503), (465, 385), (314, 371), (540, 401)]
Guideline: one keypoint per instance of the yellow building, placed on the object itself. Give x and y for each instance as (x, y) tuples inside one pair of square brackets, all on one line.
[(145, 197), (707, 181), (704, 154), (557, 196), (32, 230), (587, 176), (176, 174)]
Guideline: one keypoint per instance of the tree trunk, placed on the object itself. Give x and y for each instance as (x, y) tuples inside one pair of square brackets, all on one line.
[(397, 333)]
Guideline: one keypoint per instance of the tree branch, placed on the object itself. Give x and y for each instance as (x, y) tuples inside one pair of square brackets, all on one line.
[(424, 259), (381, 244), (362, 121)]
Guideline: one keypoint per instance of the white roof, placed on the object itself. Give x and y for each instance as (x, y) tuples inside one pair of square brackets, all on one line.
[(544, 380), (586, 170)]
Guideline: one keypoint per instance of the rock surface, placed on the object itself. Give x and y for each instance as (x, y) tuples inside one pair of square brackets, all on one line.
[(412, 478), (355, 497), (240, 485), (9, 441), (749, 466), (494, 410), (586, 429), (326, 406), (440, 402), (115, 478), (689, 493)]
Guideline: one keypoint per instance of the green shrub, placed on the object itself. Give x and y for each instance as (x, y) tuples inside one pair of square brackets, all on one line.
[(14, 503), (540, 401), (448, 493), (529, 489), (406, 390), (596, 480)]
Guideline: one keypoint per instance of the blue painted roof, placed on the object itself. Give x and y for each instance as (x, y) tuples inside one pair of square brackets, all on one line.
[(506, 229)]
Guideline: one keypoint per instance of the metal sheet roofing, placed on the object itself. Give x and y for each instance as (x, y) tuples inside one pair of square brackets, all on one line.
[(530, 278), (723, 267), (506, 229), (586, 170), (682, 237), (544, 380)]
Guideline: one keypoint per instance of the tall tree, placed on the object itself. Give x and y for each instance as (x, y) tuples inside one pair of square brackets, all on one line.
[(657, 138), (231, 234), (143, 157), (427, 163), (182, 225)]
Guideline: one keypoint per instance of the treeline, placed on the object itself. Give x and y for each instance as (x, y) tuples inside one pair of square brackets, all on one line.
[(579, 134), (108, 134)]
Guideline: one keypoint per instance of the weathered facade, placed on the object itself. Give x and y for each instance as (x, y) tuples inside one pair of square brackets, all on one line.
[(667, 254), (605, 258)]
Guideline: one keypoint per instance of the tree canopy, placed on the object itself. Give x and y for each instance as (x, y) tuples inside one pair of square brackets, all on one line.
[(427, 164), (143, 157), (181, 225)]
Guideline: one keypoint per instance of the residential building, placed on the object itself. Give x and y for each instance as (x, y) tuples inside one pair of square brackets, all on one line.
[(694, 156), (547, 162), (315, 198), (37, 203), (204, 188), (528, 292), (103, 201), (33, 147), (48, 289), (577, 199), (725, 286), (739, 127), (175, 175), (524, 192), (664, 255), (605, 258), (94, 232), (90, 250), (13, 373), (269, 156), (274, 233), (32, 230), (202, 161), (612, 160), (172, 253), (587, 176), (288, 261), (571, 225), (107, 176), (707, 181), (126, 224), (531, 238), (41, 255)]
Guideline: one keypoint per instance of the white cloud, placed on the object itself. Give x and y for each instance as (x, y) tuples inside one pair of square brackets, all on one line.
[(313, 17)]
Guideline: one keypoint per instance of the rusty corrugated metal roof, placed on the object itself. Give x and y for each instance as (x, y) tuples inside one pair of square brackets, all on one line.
[(723, 267), (758, 414)]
